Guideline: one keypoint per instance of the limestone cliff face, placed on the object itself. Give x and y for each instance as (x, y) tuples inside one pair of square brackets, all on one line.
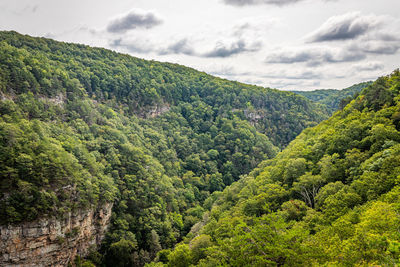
[(153, 111), (51, 241)]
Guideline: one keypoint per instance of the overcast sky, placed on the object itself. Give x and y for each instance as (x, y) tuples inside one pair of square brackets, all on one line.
[(284, 44)]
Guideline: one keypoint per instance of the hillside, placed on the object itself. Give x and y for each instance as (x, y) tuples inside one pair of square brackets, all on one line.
[(83, 127), (139, 87), (334, 99), (331, 198)]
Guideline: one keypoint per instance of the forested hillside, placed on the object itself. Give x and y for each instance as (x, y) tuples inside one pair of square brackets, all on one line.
[(334, 99), (331, 198), (43, 66), (82, 126)]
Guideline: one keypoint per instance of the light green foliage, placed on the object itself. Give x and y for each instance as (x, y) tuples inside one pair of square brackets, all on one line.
[(331, 198), (308, 186), (180, 257), (198, 246)]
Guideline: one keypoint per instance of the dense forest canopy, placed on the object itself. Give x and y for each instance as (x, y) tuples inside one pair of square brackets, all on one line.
[(82, 126), (46, 67), (192, 162), (331, 198), (333, 99)]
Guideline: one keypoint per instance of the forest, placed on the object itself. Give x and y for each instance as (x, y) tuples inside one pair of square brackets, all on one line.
[(201, 170), (333, 99), (331, 198)]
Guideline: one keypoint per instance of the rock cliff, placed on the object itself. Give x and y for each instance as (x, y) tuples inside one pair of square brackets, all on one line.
[(51, 241)]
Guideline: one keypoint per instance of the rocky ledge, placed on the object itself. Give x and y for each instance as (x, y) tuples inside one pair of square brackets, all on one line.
[(51, 241)]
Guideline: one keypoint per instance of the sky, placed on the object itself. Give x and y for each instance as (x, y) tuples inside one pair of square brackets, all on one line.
[(283, 44)]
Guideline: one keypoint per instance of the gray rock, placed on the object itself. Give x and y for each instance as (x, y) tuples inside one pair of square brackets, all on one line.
[(52, 242)]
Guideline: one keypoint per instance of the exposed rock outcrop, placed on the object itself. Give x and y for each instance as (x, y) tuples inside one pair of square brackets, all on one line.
[(153, 111), (51, 241)]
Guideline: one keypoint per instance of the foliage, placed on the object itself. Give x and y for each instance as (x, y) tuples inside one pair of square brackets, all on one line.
[(331, 198), (82, 126), (140, 87), (332, 99)]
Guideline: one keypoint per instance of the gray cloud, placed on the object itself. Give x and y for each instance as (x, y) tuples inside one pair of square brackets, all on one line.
[(136, 18), (134, 46), (305, 75), (287, 57), (240, 46), (388, 37), (379, 47), (293, 85), (260, 2), (347, 26), (226, 71), (369, 66), (180, 47), (184, 47), (315, 56)]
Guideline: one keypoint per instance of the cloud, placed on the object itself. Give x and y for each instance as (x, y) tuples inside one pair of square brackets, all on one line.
[(260, 2), (136, 18), (289, 57), (253, 25), (388, 37), (346, 26), (183, 46), (302, 75), (180, 47), (225, 71), (22, 11), (314, 56), (141, 46), (369, 66), (378, 47), (241, 37), (293, 85), (32, 9), (237, 47)]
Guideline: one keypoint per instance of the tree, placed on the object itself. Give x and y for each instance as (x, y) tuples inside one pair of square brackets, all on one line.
[(121, 254), (308, 186), (198, 247), (181, 256)]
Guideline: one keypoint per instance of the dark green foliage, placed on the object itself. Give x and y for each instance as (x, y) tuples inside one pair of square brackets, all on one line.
[(120, 254)]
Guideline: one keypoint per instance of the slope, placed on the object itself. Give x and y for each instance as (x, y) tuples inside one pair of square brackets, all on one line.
[(330, 198), (334, 99), (141, 86), (83, 126)]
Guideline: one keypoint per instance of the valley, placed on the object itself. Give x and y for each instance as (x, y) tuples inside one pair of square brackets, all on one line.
[(193, 170)]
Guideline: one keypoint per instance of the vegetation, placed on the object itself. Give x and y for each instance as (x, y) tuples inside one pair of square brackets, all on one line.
[(191, 161), (333, 99), (82, 126), (331, 198)]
